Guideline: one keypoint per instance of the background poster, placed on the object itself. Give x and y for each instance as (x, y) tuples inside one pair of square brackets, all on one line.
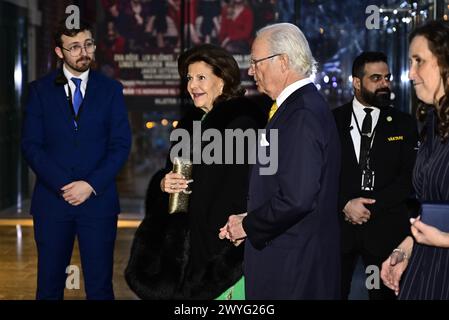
[(139, 42), (141, 39)]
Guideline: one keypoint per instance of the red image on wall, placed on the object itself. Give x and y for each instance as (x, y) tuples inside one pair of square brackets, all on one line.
[(140, 40)]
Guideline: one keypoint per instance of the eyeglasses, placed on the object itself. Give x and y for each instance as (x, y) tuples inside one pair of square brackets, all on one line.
[(253, 62), (76, 49)]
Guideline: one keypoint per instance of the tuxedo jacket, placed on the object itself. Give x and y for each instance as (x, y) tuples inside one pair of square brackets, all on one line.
[(60, 154), (392, 159), (292, 250)]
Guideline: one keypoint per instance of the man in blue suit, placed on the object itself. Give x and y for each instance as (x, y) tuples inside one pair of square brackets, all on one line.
[(292, 249), (76, 137)]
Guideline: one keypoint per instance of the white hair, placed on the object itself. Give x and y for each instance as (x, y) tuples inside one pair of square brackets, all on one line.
[(288, 39)]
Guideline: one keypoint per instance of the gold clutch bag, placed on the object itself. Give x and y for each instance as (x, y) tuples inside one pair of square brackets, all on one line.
[(179, 202)]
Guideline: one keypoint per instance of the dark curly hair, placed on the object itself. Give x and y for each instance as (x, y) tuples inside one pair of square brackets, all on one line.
[(437, 35), (223, 66), (62, 29), (358, 66)]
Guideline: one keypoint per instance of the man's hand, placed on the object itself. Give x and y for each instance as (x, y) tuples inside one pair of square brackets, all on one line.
[(77, 192), (233, 229), (356, 212)]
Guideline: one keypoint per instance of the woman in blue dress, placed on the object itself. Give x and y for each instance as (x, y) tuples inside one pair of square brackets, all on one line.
[(424, 256)]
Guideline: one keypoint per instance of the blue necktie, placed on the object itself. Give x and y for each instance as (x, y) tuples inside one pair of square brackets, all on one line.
[(77, 97)]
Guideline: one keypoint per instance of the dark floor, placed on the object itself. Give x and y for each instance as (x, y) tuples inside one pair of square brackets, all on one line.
[(358, 289)]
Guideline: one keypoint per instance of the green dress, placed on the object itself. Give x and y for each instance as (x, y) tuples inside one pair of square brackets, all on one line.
[(235, 292)]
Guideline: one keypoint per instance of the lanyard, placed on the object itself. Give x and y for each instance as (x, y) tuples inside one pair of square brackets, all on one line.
[(370, 137), (72, 109), (61, 80)]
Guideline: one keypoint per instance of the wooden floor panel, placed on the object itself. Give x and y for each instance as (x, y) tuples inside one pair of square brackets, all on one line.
[(18, 262)]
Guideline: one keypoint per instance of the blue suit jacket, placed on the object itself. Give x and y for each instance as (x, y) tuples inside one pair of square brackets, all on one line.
[(293, 246), (59, 155)]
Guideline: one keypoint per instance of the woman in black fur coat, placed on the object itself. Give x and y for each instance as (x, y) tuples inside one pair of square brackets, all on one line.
[(180, 256)]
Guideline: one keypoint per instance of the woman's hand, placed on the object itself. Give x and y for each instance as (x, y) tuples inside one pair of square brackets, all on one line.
[(428, 235), (173, 183), (392, 270), (395, 265)]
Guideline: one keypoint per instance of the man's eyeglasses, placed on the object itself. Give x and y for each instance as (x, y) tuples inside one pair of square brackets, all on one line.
[(76, 49), (253, 62)]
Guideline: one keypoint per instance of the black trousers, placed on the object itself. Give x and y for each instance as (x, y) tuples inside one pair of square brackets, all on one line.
[(348, 264)]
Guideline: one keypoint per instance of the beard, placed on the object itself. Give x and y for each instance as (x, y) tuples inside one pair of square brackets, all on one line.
[(378, 98), (81, 64)]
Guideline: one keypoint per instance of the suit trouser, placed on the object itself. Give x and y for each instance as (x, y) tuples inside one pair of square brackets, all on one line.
[(54, 240), (348, 264)]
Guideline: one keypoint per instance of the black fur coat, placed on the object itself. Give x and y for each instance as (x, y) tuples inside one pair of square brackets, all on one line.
[(180, 256)]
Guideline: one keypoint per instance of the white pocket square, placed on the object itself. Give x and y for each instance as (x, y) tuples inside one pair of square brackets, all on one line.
[(263, 140)]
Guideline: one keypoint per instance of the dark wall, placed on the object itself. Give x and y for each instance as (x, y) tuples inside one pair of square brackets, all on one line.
[(13, 80), (52, 13)]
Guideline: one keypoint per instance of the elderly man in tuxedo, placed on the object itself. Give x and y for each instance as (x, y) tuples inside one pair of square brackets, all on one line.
[(291, 228)]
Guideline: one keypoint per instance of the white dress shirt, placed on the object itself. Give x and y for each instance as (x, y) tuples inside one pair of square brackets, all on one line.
[(84, 78), (290, 89)]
